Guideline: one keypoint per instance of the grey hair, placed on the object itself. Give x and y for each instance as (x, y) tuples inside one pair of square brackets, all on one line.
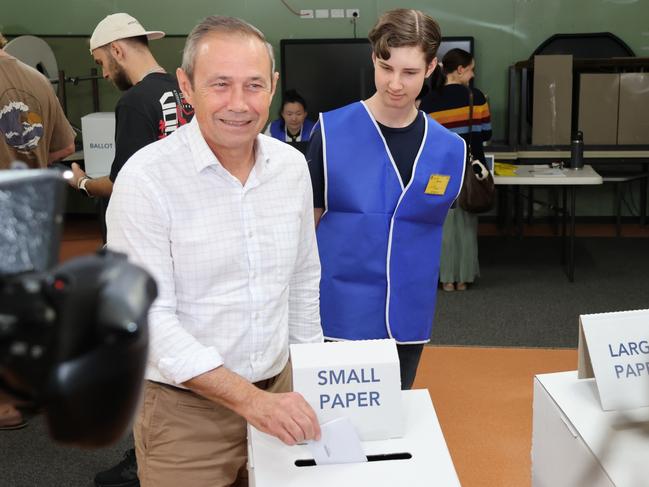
[(220, 24)]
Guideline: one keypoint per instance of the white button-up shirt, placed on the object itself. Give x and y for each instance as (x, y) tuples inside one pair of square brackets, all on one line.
[(236, 265)]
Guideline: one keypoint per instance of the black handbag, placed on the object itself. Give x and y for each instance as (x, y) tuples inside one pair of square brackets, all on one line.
[(477, 195)]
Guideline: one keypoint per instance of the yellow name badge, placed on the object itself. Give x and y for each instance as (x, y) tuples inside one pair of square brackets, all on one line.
[(437, 184)]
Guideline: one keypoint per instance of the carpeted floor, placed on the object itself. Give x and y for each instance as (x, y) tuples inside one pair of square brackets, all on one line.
[(524, 299), (483, 400)]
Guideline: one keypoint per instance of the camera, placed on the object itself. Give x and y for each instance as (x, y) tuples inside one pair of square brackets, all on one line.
[(73, 337)]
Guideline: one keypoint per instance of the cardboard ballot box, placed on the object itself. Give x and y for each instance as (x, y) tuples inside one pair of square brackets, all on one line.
[(420, 458), (575, 443), (356, 379), (98, 131)]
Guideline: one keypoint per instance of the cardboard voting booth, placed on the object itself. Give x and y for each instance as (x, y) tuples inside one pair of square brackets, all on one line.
[(356, 379), (98, 131), (552, 100), (419, 458), (576, 443)]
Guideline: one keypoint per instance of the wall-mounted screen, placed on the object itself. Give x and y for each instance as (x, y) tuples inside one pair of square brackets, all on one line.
[(330, 73)]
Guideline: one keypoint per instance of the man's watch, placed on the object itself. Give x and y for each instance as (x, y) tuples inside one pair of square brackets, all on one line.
[(81, 184)]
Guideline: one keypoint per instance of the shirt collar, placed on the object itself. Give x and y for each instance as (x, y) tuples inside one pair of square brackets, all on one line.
[(202, 155)]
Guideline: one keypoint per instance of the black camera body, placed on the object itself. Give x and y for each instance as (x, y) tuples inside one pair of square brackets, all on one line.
[(73, 339)]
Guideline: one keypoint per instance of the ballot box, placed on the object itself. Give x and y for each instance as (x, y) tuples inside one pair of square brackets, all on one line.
[(576, 443), (98, 133), (419, 458)]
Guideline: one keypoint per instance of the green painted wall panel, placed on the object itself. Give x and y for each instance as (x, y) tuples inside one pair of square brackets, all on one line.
[(505, 31)]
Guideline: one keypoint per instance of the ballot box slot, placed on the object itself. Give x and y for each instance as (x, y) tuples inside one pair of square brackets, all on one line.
[(309, 462)]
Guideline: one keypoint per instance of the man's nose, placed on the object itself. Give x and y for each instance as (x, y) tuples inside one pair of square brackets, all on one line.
[(237, 100)]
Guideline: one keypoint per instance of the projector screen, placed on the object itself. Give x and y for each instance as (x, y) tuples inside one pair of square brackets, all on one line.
[(330, 73)]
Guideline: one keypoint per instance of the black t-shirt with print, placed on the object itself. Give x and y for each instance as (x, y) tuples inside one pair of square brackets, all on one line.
[(147, 112)]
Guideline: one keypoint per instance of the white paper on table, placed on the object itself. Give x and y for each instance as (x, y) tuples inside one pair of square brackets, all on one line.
[(554, 171), (338, 443)]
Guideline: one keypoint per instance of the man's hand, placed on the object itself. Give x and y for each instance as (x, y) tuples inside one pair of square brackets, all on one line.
[(101, 187), (77, 173), (286, 416)]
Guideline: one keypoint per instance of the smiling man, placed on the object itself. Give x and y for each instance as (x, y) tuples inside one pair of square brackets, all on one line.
[(222, 218), (384, 176)]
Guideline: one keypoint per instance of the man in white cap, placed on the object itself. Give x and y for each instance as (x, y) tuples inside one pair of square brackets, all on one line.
[(152, 106)]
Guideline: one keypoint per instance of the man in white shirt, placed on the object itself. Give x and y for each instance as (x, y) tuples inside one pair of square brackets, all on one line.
[(222, 217)]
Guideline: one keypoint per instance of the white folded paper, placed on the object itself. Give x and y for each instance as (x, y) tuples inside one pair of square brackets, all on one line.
[(339, 443)]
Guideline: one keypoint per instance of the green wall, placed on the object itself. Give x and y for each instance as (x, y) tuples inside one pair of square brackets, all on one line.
[(505, 31)]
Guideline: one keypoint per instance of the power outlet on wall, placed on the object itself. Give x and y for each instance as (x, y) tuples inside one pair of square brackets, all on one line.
[(353, 13), (337, 13), (306, 14)]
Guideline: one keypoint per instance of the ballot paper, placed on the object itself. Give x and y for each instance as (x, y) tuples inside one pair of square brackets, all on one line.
[(338, 443)]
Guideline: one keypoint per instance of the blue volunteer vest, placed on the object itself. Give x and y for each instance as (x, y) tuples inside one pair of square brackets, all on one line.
[(379, 243), (277, 130)]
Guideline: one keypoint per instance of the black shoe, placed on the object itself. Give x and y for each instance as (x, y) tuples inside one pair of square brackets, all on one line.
[(124, 474)]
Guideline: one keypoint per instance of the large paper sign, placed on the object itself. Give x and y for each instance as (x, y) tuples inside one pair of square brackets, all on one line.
[(614, 348), (357, 379)]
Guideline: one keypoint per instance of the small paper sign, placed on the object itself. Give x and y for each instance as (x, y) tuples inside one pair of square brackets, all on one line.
[(614, 348), (359, 380)]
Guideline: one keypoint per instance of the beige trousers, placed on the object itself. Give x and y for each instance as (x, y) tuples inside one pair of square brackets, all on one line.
[(183, 439)]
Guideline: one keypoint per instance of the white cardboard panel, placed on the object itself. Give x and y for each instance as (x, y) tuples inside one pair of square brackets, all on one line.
[(98, 131), (592, 445)]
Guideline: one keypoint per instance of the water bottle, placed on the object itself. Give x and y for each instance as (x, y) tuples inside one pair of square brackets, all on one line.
[(577, 151)]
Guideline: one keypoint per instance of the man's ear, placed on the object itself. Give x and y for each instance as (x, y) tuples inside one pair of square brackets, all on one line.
[(117, 50), (274, 80), (185, 85), (431, 67)]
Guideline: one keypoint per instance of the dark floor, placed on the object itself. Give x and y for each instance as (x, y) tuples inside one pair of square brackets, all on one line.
[(524, 299)]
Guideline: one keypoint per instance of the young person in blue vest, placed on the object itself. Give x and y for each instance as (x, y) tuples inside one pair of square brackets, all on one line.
[(292, 124), (384, 176)]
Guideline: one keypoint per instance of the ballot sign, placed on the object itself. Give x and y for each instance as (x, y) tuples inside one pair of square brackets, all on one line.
[(614, 348), (98, 143), (359, 380)]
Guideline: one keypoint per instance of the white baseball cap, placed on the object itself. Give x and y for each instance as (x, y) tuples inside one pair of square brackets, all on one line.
[(119, 26)]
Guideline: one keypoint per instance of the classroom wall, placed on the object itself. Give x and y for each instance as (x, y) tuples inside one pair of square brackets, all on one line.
[(505, 31)]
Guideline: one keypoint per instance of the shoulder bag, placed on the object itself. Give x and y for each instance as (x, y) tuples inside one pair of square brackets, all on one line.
[(477, 195)]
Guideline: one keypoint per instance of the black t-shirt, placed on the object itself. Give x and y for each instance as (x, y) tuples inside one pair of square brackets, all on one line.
[(147, 112), (403, 143)]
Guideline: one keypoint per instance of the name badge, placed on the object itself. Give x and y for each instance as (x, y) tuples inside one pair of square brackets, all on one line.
[(437, 184)]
